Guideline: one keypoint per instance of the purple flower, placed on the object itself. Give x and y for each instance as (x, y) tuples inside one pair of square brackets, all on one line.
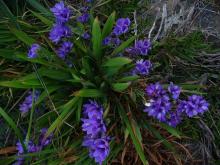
[(93, 127), (182, 105), (107, 40), (88, 141), (142, 67), (143, 46), (93, 123), (116, 41), (92, 110), (99, 149), (172, 113), (132, 51), (175, 117), (27, 104), (43, 140), (30, 149), (158, 108), (65, 48), (61, 12), (155, 90), (122, 26), (195, 105), (95, 139), (83, 18), (174, 90), (59, 31), (32, 53), (86, 36)]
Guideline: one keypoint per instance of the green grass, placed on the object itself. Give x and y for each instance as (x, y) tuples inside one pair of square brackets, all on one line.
[(176, 58)]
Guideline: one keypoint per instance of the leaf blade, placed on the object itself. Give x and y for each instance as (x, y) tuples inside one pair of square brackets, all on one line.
[(123, 46), (108, 25), (96, 38), (10, 121), (135, 139)]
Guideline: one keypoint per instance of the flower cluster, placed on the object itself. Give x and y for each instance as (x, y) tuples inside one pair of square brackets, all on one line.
[(162, 108), (64, 49), (95, 129), (159, 104), (195, 105), (27, 103), (33, 51), (86, 36), (121, 27), (111, 40), (43, 140), (31, 147), (84, 17), (141, 47), (60, 30), (174, 90), (142, 67), (61, 12)]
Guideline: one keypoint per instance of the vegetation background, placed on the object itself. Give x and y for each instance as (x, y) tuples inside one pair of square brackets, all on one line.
[(186, 51)]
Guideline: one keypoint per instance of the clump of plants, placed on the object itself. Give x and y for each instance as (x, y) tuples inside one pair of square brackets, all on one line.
[(96, 72)]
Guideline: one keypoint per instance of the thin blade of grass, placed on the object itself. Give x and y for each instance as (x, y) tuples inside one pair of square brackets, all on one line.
[(136, 141), (5, 10), (65, 110), (12, 124), (35, 4)]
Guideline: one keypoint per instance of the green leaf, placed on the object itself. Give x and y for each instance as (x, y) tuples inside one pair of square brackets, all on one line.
[(89, 93), (119, 87), (108, 25), (19, 84), (96, 38), (135, 138), (66, 109), (22, 36), (128, 78), (123, 46), (44, 94), (7, 161), (45, 118), (86, 63), (110, 71), (43, 19), (7, 13), (171, 130), (12, 124), (35, 4), (79, 110), (54, 74), (115, 65), (117, 61)]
